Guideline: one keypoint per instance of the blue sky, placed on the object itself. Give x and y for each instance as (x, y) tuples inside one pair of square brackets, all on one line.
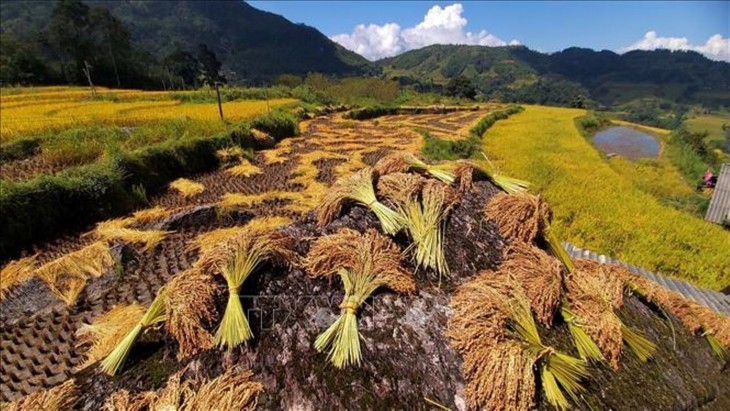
[(541, 25)]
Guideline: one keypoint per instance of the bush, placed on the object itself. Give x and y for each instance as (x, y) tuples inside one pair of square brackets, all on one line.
[(371, 112), (19, 149), (278, 124), (487, 121)]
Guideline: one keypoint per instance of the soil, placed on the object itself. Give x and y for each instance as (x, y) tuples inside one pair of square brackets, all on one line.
[(406, 356)]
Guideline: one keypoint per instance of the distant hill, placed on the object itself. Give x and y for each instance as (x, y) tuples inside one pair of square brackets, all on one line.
[(518, 73), (252, 44)]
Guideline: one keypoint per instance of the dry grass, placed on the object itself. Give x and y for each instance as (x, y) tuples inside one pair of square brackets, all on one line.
[(359, 188), (190, 310), (187, 188), (66, 276), (59, 398), (539, 274), (16, 272), (364, 262), (206, 241), (106, 331), (232, 201), (403, 161), (149, 215), (230, 154), (244, 169)]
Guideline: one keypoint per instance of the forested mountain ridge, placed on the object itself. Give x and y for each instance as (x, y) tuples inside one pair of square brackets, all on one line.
[(251, 45), (520, 74)]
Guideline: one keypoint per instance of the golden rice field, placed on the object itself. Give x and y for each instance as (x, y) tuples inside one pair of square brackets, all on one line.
[(41, 110), (602, 209)]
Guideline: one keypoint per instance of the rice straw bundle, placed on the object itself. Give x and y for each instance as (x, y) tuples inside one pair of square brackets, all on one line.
[(122, 400), (106, 331), (403, 162), (16, 272), (111, 230), (358, 187), (229, 154), (493, 329), (189, 309), (154, 314), (149, 215), (364, 262), (244, 169), (187, 188), (540, 276), (400, 187), (235, 260), (66, 276), (228, 391), (424, 223), (519, 217), (59, 398), (465, 171)]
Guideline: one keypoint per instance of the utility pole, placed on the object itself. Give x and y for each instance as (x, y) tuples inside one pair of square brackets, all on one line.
[(87, 71), (218, 94)]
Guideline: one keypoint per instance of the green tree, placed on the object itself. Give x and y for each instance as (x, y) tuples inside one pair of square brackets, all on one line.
[(461, 87), (68, 35), (209, 66)]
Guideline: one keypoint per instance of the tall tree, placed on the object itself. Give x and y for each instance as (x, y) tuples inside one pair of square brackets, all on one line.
[(68, 34), (209, 65)]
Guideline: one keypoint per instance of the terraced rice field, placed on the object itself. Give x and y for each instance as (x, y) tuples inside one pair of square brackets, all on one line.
[(38, 330), (54, 109)]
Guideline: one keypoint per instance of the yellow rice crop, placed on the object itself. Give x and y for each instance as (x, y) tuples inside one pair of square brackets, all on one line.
[(596, 207)]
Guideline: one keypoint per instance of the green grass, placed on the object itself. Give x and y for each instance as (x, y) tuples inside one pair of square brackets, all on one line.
[(597, 207), (713, 124)]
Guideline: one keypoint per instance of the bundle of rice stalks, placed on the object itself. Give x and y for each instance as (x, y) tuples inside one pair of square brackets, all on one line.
[(400, 187), (230, 154), (66, 276), (540, 276), (59, 398), (236, 259), (244, 169), (424, 223), (187, 188), (228, 391), (154, 314), (111, 230), (698, 319), (189, 310), (364, 262), (493, 329), (519, 217), (16, 272), (465, 171), (106, 331), (123, 400), (358, 187), (206, 241), (403, 162)]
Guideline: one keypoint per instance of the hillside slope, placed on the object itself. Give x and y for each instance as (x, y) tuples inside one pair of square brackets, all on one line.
[(518, 73), (252, 44)]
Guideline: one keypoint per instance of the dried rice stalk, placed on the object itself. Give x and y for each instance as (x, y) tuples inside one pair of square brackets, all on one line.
[(154, 314), (403, 162), (66, 276), (540, 276), (493, 329), (206, 241), (149, 215), (106, 331), (122, 400), (235, 260), (520, 217), (59, 398), (173, 395), (244, 169), (230, 154), (424, 223), (400, 187), (187, 188), (189, 309), (364, 262), (16, 272), (228, 391), (358, 187), (110, 230)]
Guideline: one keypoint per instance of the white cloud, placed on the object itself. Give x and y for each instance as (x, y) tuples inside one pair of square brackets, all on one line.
[(716, 47), (439, 26)]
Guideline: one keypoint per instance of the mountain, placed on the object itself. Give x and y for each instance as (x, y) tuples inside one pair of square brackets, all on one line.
[(251, 44), (518, 73)]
